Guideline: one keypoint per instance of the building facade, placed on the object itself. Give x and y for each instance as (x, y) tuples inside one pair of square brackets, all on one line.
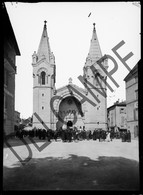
[(17, 119), (117, 118), (132, 101), (26, 122), (69, 105), (10, 51)]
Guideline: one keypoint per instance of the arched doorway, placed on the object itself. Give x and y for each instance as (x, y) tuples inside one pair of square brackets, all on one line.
[(70, 111), (69, 124)]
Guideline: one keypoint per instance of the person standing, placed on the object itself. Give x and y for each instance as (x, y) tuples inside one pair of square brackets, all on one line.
[(48, 135), (112, 135), (87, 134), (63, 135), (94, 135), (44, 134), (77, 134), (55, 135), (128, 136), (74, 133), (69, 134), (84, 133), (123, 136), (108, 139), (100, 135)]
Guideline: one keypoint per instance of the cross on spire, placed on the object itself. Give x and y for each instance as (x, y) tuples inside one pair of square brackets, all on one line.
[(45, 22), (94, 26), (94, 51), (44, 46)]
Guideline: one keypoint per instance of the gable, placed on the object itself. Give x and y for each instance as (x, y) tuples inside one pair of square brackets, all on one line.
[(65, 89)]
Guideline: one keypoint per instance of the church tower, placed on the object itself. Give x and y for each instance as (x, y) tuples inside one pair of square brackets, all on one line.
[(95, 116), (44, 70)]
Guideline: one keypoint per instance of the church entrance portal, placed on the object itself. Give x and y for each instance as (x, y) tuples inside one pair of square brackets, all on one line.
[(69, 124), (70, 111)]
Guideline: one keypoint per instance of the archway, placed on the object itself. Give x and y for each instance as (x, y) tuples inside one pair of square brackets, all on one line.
[(70, 112), (43, 75), (69, 124)]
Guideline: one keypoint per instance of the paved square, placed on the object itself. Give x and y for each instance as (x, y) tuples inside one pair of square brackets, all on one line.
[(75, 165)]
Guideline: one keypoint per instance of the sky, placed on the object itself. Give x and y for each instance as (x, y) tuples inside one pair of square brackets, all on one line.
[(69, 27)]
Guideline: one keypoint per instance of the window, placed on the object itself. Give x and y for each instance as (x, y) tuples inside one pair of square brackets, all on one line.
[(136, 94), (42, 107), (136, 114), (121, 110), (136, 131), (43, 74), (122, 121)]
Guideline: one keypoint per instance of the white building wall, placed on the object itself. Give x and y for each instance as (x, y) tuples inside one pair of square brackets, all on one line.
[(42, 95), (132, 107), (121, 121)]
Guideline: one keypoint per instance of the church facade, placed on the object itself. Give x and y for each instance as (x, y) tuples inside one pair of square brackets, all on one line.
[(69, 105)]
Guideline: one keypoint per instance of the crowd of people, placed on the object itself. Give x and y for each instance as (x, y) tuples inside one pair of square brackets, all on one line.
[(126, 136), (73, 134)]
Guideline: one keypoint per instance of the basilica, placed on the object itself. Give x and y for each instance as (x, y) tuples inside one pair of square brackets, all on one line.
[(69, 105)]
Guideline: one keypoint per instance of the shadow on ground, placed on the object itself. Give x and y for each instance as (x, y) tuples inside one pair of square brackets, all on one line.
[(73, 173)]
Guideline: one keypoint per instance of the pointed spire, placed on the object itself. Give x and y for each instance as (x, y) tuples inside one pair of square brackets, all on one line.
[(94, 51), (93, 26), (44, 50)]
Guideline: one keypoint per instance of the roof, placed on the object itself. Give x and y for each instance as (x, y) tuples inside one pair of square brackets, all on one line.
[(44, 46), (132, 73), (16, 111), (73, 85), (123, 103), (95, 50)]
